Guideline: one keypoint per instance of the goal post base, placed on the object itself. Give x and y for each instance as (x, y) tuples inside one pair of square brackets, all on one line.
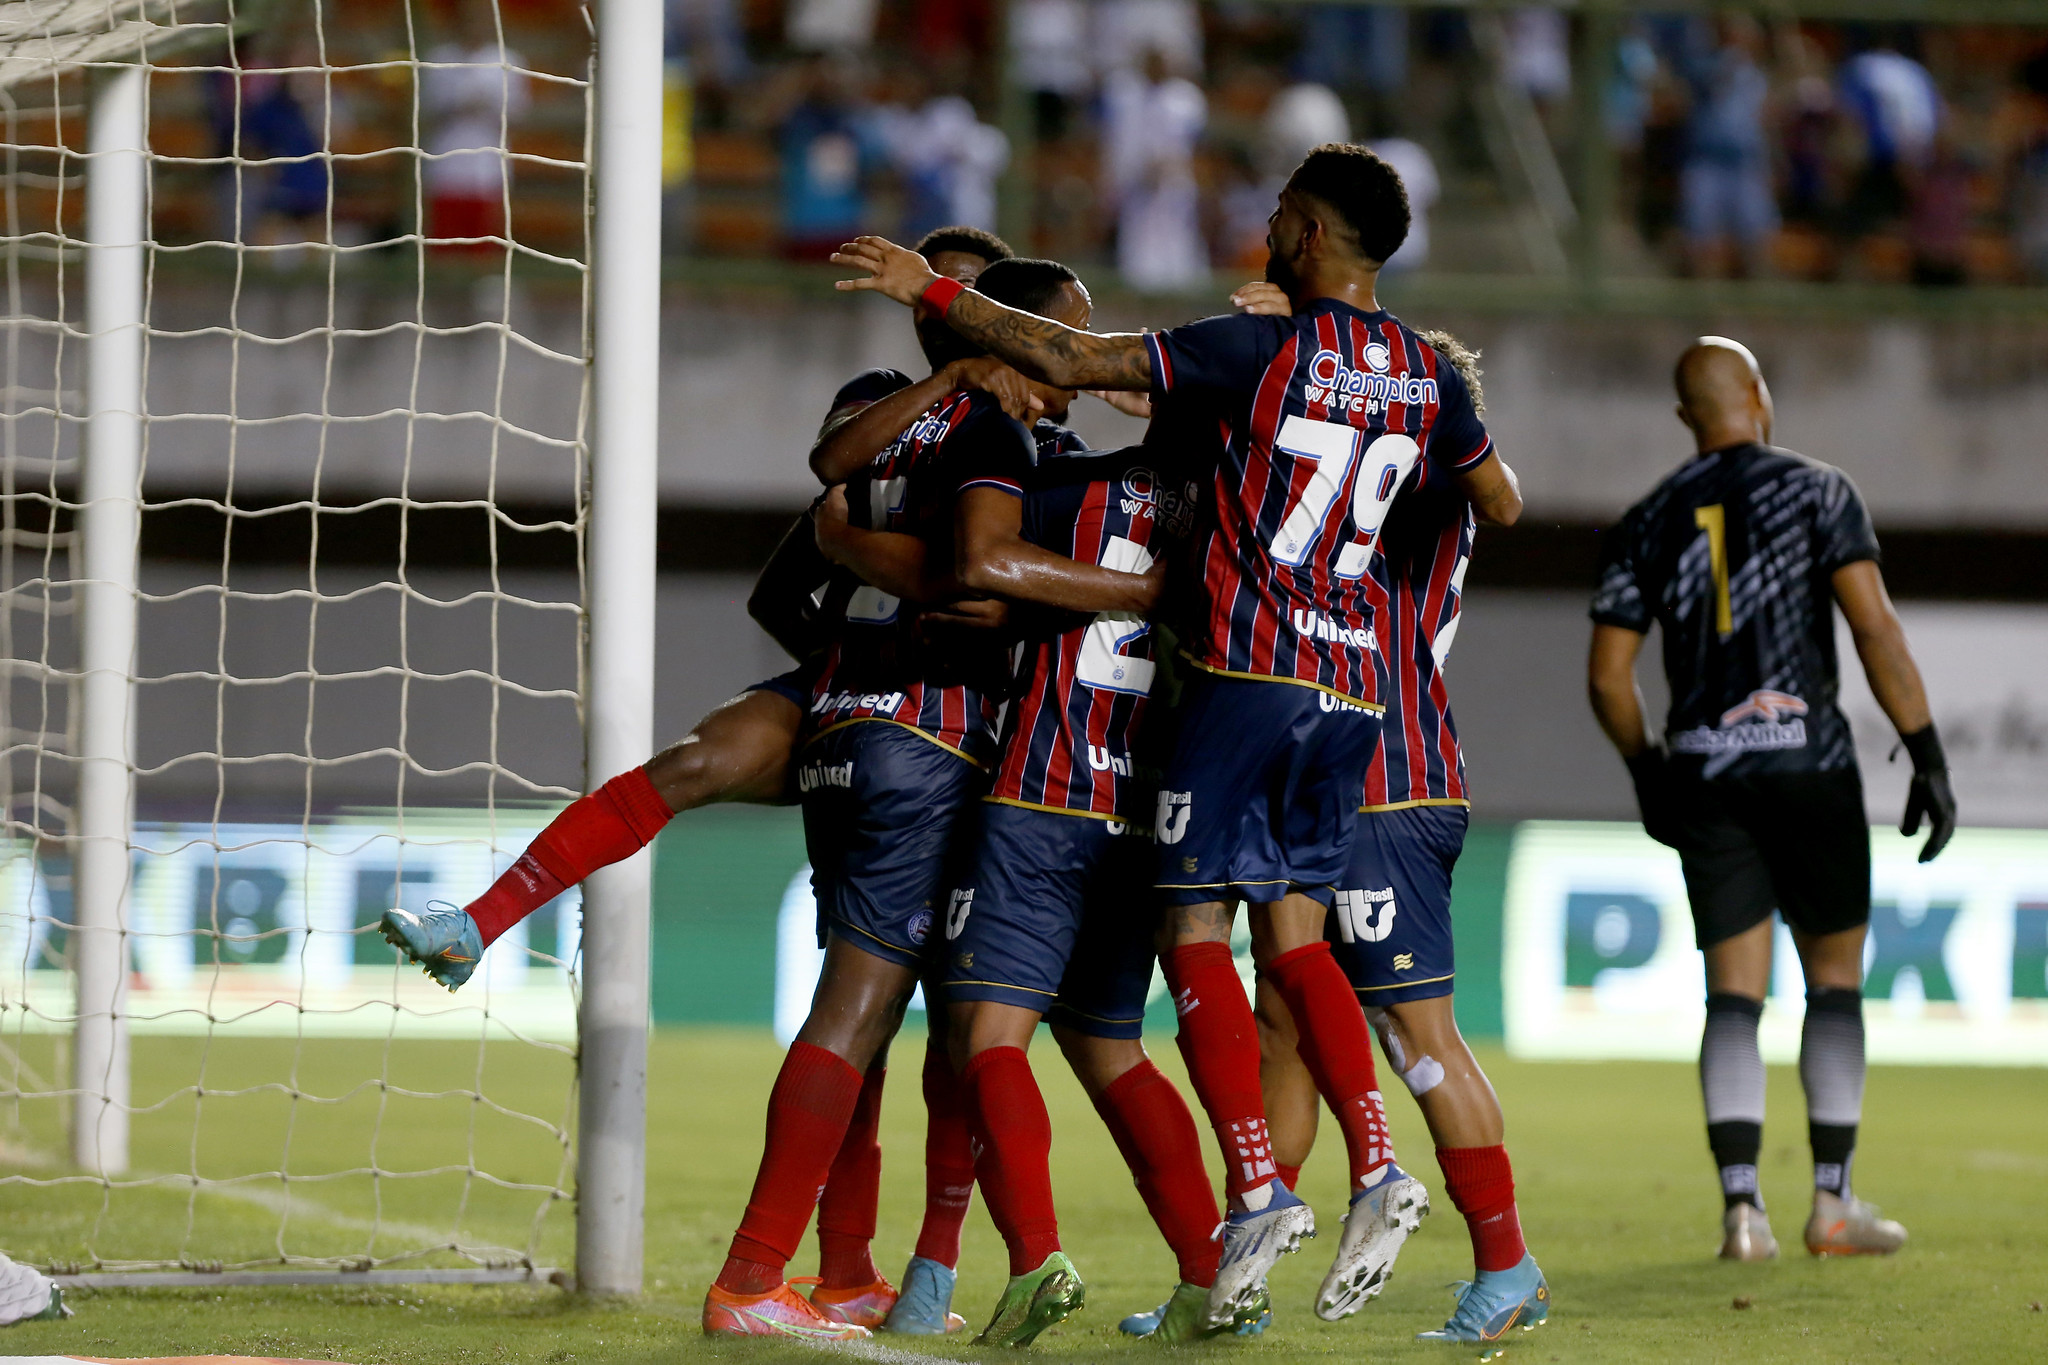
[(202, 1279)]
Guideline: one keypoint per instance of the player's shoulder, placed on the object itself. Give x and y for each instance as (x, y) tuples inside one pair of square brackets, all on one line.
[(1056, 442), (870, 386)]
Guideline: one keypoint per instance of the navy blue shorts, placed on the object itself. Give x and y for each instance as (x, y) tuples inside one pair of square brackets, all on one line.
[(881, 804), (795, 684), (1055, 915), (1390, 927), (1262, 791)]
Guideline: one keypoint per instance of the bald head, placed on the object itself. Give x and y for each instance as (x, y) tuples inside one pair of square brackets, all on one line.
[(1722, 396)]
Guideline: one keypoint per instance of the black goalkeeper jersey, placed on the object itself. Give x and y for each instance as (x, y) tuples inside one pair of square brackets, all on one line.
[(1732, 556)]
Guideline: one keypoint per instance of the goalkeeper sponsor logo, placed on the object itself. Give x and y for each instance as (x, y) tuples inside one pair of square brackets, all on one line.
[(1766, 720)]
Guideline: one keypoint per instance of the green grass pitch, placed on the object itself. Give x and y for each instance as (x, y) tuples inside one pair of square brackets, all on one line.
[(1616, 1192)]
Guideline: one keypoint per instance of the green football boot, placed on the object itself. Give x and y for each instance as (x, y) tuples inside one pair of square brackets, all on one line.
[(1179, 1319), (1035, 1301)]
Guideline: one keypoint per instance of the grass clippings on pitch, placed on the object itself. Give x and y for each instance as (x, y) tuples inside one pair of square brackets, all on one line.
[(1617, 1196)]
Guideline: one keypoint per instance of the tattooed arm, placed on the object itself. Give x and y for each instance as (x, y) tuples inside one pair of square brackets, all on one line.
[(1044, 349)]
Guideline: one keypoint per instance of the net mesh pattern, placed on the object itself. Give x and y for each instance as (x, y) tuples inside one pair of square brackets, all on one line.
[(359, 677)]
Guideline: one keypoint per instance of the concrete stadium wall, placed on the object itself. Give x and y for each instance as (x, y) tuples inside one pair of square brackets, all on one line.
[(1939, 422)]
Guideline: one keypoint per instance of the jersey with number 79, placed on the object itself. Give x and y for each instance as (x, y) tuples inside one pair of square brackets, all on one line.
[(1321, 417)]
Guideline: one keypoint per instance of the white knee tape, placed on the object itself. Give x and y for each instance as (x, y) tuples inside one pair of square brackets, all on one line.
[(1426, 1075), (1379, 1023)]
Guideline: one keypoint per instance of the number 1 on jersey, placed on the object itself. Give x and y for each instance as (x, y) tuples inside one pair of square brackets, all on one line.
[(1714, 521)]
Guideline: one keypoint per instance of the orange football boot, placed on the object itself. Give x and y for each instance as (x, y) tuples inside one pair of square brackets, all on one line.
[(781, 1312), (867, 1306)]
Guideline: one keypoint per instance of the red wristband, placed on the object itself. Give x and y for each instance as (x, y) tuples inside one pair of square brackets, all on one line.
[(941, 292)]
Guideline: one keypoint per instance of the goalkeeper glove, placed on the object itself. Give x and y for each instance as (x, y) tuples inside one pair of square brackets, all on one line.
[(1930, 795), (444, 941)]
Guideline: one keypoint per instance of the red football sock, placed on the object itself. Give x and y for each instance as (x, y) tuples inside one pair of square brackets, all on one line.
[(612, 823), (1290, 1176), (948, 1160), (1482, 1185), (1220, 1043), (846, 1211), (1157, 1135), (1016, 1153), (1336, 1046), (808, 1111)]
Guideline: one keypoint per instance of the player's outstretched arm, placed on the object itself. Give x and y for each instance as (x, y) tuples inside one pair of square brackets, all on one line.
[(1495, 493), (781, 602), (1895, 682), (890, 560), (1051, 351), (993, 556), (853, 436)]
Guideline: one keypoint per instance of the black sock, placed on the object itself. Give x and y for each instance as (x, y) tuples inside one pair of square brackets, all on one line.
[(1831, 1068), (1732, 1083)]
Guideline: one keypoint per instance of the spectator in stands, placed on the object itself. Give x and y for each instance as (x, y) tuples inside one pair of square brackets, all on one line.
[(949, 161), (472, 90), (830, 25), (1417, 169), (1152, 121), (1355, 47), (258, 117), (1894, 104), (1049, 49), (1938, 228), (1128, 30), (1538, 56), (2029, 184), (1725, 188), (830, 150)]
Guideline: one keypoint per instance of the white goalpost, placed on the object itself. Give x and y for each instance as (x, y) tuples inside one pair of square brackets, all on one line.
[(327, 556)]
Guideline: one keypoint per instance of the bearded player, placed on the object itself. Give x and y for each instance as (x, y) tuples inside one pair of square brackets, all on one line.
[(1326, 413), (1391, 926)]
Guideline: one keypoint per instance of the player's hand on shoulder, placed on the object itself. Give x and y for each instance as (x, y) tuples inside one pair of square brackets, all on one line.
[(1262, 299), (1129, 402), (1009, 388), (889, 269)]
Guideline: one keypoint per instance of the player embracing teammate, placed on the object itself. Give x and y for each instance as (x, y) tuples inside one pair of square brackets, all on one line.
[(1322, 416)]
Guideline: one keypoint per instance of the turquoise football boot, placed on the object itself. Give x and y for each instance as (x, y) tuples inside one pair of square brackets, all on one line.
[(1495, 1304), (444, 941)]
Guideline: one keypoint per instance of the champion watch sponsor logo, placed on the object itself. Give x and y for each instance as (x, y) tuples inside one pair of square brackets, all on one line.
[(1313, 625), (1334, 384), (1171, 823), (1765, 720)]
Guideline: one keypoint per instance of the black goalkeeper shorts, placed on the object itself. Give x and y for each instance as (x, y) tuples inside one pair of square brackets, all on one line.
[(1797, 843)]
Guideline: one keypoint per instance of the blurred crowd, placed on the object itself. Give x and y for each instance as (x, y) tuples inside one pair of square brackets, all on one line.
[(1151, 134)]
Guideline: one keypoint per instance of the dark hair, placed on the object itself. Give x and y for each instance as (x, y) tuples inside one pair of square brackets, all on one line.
[(1463, 359), (1366, 193), (1026, 284), (969, 241)]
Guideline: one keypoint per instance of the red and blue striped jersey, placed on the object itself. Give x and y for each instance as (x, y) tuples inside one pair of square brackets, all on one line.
[(1071, 734), (1321, 418), (946, 686), (1425, 549)]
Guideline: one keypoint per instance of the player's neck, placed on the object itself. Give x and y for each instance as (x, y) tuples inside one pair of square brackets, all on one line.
[(1711, 439), (1354, 288)]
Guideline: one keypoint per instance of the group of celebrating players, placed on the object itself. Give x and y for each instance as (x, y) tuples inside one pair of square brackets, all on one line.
[(1057, 713)]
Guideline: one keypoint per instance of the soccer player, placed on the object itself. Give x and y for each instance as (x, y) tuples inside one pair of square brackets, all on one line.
[(1391, 930), (1326, 412), (899, 735), (741, 752), (1737, 556)]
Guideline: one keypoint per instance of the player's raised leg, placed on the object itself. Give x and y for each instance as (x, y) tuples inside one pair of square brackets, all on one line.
[(739, 752)]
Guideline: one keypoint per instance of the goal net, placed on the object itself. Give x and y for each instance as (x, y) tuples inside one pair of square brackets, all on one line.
[(293, 455)]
